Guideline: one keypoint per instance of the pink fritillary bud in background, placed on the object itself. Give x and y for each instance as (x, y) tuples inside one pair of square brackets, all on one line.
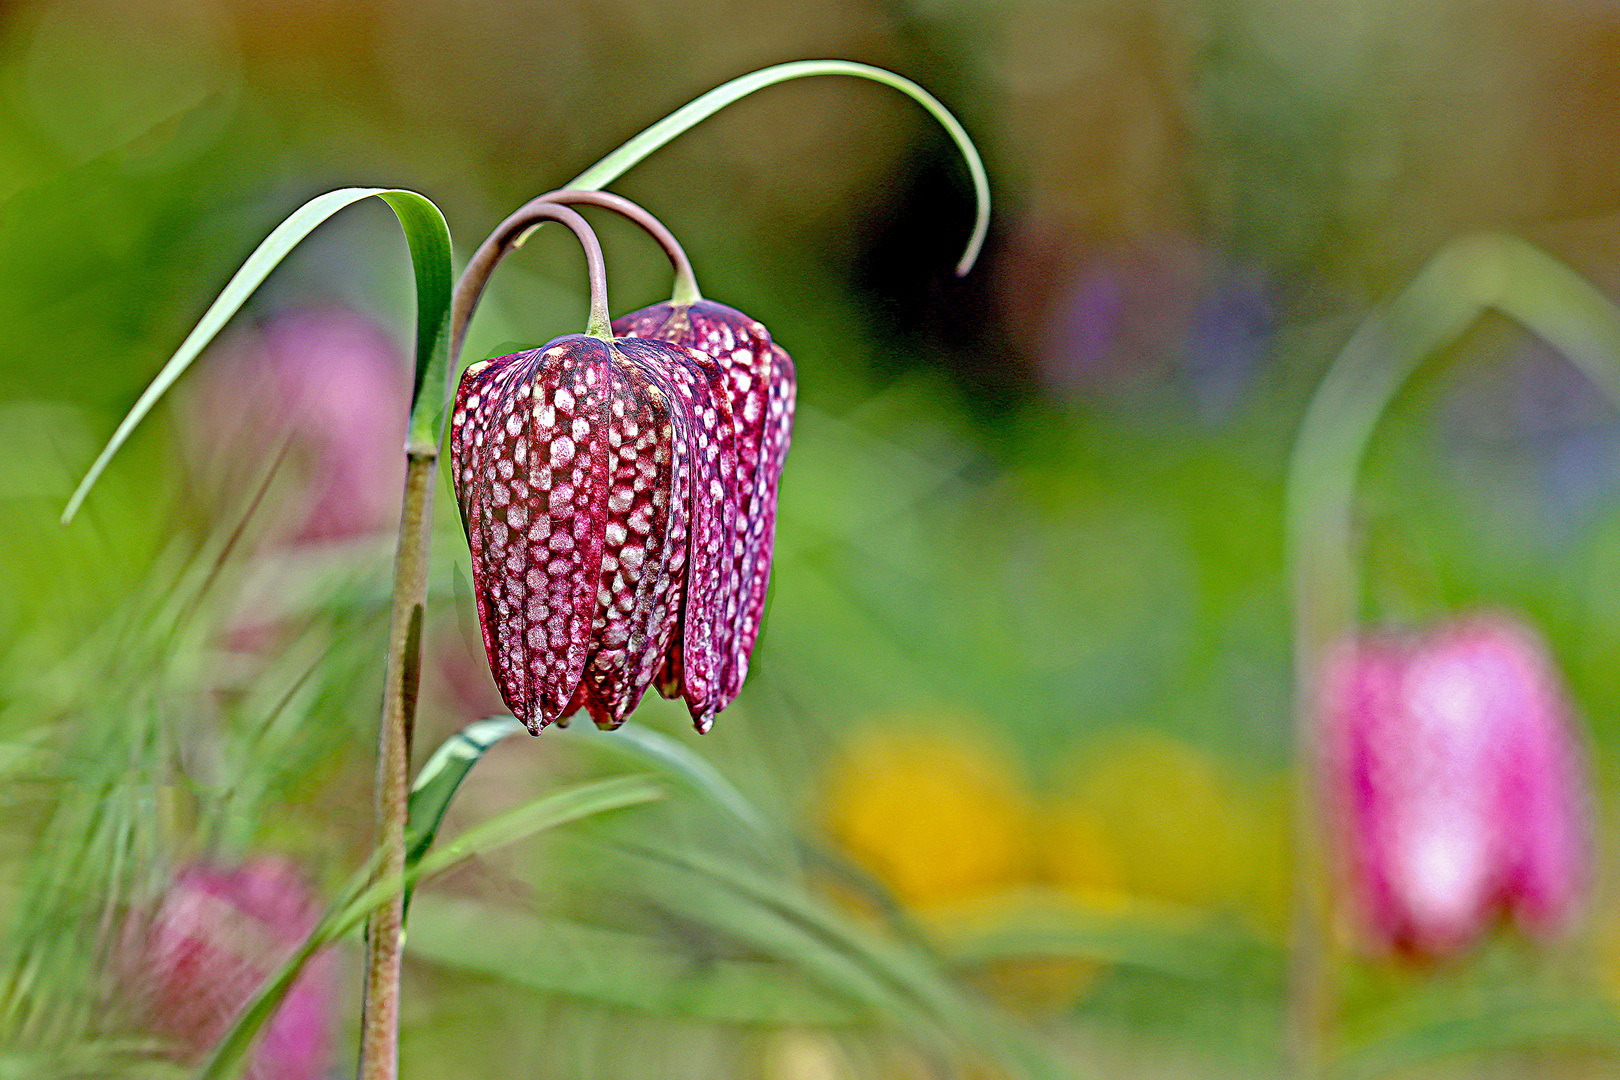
[(1458, 782), (591, 477), (214, 938), (331, 388), (757, 381)]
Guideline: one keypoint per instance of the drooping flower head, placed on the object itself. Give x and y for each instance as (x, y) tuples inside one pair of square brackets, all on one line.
[(619, 498), (1458, 782), (753, 377), (585, 472)]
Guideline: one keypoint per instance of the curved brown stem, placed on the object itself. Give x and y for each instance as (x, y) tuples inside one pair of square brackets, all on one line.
[(686, 289), (508, 235)]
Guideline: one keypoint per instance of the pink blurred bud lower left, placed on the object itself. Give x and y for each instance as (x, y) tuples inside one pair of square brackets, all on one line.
[(1457, 784), (212, 940)]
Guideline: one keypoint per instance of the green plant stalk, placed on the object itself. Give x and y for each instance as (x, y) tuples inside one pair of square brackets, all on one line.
[(1466, 279), (686, 290), (385, 931)]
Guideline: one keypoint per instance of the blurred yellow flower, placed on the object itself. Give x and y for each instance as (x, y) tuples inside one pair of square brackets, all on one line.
[(1141, 825), (799, 1054), (1077, 856), (939, 817), (1179, 828)]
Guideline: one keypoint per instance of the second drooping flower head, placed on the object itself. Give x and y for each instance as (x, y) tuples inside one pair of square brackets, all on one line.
[(757, 386)]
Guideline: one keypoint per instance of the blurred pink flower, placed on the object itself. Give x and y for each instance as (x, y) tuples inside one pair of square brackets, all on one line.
[(1458, 784), (216, 935), (331, 387)]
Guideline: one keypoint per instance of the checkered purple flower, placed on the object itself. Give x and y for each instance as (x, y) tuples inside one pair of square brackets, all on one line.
[(217, 934), (614, 510), (758, 384)]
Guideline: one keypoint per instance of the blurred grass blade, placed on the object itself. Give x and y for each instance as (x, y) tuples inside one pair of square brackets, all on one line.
[(546, 812), (616, 969), (913, 975), (675, 758), (1171, 944), (613, 166), (902, 980), (429, 240), (439, 779), (1468, 277), (129, 1058), (850, 977), (1521, 1024)]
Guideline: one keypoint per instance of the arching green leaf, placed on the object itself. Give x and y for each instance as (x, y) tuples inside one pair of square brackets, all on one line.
[(436, 784), (615, 165), (429, 240)]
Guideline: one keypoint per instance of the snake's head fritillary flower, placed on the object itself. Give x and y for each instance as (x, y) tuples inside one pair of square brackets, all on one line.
[(215, 936), (590, 476), (1453, 767), (757, 383)]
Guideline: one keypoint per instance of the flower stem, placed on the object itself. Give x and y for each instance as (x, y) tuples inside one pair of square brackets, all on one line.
[(385, 931), (686, 287), (507, 236), (1467, 278)]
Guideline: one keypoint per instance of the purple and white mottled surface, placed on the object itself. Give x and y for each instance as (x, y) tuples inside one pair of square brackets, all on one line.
[(619, 502)]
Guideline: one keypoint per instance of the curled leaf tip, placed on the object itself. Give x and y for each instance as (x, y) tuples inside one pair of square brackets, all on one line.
[(701, 108)]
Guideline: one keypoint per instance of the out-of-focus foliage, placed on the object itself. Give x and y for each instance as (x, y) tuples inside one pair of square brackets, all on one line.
[(1008, 790)]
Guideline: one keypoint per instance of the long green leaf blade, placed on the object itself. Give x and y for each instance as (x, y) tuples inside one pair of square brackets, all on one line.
[(535, 816), (436, 784), (613, 166), (892, 976), (675, 759), (1519, 1023), (615, 968), (429, 238)]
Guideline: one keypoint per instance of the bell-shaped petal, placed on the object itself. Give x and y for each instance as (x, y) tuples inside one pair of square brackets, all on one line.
[(758, 384), (645, 550), (694, 663), (1453, 772), (531, 465), (1544, 795)]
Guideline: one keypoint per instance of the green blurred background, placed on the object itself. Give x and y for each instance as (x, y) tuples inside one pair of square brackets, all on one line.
[(1023, 701)]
